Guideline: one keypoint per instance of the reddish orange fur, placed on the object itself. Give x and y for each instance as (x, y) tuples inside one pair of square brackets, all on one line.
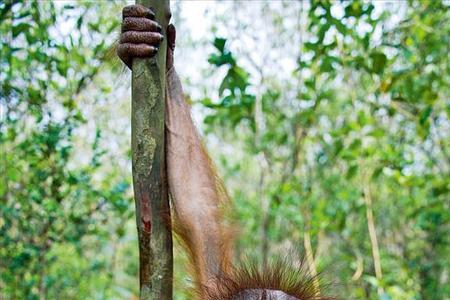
[(280, 275), (187, 239)]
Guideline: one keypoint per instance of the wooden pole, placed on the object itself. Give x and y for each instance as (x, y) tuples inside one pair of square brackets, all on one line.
[(149, 178)]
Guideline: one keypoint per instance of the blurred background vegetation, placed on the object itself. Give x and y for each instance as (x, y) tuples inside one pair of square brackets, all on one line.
[(329, 122)]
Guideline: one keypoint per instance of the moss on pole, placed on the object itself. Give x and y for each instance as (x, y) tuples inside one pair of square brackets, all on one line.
[(149, 178)]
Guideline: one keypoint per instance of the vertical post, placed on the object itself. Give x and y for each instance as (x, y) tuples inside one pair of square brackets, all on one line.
[(149, 178)]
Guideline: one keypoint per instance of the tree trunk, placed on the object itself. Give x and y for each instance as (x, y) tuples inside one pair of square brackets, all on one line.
[(310, 259), (373, 235), (149, 174)]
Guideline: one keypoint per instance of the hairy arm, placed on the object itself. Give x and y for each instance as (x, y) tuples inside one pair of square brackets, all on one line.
[(197, 194)]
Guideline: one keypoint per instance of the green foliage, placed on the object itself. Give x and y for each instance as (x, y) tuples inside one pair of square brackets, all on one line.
[(371, 119), (51, 204), (236, 103)]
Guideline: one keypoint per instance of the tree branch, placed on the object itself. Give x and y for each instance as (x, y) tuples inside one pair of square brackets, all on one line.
[(150, 188)]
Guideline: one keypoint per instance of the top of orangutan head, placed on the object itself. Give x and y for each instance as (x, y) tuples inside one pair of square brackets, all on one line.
[(278, 280), (258, 294)]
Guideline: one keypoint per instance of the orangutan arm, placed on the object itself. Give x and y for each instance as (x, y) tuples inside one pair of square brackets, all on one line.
[(197, 195)]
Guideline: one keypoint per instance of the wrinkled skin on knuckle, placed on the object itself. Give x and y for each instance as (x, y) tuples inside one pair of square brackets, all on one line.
[(140, 24), (129, 50), (136, 37), (137, 11)]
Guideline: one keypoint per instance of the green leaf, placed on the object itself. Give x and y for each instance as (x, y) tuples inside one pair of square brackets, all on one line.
[(219, 43), (2, 190), (425, 115), (362, 118), (13, 174), (340, 26), (351, 172), (18, 29), (378, 62), (377, 172), (221, 59), (355, 146), (240, 78)]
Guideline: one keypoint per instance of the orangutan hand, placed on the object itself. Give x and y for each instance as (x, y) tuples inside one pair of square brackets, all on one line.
[(141, 35)]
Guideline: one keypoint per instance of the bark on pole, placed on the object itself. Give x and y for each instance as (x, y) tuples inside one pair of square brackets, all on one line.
[(150, 188)]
